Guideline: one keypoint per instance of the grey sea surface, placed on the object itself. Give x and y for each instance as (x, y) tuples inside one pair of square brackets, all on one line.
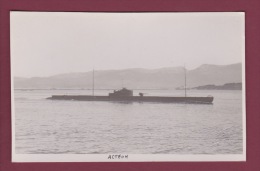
[(84, 127)]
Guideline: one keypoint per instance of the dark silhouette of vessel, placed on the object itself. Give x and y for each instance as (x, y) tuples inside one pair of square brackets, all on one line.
[(125, 95)]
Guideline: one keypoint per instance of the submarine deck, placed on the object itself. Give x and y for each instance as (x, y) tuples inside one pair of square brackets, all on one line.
[(206, 100)]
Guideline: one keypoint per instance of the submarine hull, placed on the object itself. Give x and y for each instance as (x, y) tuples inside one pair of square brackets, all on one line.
[(157, 99)]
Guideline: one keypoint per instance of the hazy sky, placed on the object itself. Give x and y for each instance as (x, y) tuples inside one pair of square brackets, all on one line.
[(49, 43)]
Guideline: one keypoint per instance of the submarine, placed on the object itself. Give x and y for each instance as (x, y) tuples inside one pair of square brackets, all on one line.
[(126, 95)]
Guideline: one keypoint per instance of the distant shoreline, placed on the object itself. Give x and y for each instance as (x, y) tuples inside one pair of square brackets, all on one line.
[(138, 79), (227, 86)]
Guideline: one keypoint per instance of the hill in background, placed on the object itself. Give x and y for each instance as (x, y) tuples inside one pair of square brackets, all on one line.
[(138, 78)]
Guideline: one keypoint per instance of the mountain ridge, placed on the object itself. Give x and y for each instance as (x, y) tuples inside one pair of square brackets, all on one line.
[(168, 77)]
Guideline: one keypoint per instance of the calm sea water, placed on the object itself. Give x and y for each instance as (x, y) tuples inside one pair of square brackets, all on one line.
[(70, 127)]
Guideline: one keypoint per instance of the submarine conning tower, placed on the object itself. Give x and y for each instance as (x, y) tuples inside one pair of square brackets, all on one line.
[(121, 93)]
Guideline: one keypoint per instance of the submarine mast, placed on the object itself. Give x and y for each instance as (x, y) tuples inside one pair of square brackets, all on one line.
[(93, 83), (185, 91)]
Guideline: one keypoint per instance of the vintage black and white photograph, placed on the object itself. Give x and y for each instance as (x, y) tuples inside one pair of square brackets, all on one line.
[(95, 87)]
